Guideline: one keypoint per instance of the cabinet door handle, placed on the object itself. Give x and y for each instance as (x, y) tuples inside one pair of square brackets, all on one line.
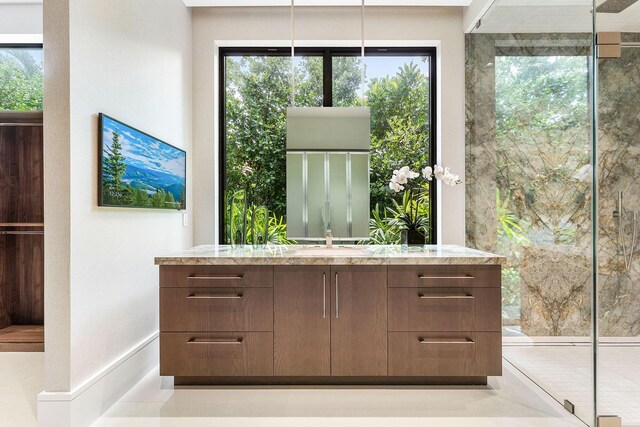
[(215, 296), (466, 296), (465, 277), (422, 340), (337, 304), (214, 341), (324, 295), (203, 277)]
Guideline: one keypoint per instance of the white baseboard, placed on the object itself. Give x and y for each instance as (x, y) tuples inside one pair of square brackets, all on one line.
[(86, 403)]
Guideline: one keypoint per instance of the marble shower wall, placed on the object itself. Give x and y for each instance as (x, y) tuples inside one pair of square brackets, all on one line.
[(619, 170), (546, 283), (554, 280)]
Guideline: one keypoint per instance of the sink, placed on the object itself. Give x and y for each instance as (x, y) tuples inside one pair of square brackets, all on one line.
[(333, 251)]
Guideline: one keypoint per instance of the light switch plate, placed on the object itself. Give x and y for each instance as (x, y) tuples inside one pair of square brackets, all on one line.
[(185, 219)]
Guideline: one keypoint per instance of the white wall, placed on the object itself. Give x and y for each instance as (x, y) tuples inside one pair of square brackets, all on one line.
[(131, 60), (20, 18), (440, 26)]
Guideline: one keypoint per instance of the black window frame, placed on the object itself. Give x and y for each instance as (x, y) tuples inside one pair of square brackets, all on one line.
[(327, 99)]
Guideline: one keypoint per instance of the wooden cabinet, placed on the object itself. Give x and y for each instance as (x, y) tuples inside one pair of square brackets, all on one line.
[(302, 322), (216, 309), (194, 354), (330, 321), (338, 324), (445, 309), (448, 354), (358, 321)]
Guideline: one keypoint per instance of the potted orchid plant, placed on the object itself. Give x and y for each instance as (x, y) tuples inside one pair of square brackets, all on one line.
[(411, 215)]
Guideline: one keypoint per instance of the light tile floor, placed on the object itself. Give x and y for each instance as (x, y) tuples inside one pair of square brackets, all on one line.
[(565, 372), (21, 379), (510, 401)]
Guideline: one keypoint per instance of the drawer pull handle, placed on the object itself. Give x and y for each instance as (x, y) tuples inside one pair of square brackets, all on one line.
[(465, 277), (466, 296), (422, 340), (197, 277), (324, 295), (337, 304), (214, 296), (234, 341)]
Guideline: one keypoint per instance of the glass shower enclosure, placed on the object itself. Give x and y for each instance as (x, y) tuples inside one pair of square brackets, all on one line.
[(553, 167)]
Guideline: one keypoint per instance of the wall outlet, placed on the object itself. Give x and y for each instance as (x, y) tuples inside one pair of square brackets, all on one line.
[(185, 219)]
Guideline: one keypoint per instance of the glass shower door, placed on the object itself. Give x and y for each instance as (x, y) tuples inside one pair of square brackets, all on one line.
[(618, 233), (529, 143)]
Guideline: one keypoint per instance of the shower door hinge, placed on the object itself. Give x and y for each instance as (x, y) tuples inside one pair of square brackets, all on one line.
[(609, 421), (569, 406), (608, 45)]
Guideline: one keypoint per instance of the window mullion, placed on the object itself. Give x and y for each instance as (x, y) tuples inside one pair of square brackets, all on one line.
[(327, 79)]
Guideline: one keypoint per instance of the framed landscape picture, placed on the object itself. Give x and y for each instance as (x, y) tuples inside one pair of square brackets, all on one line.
[(136, 170)]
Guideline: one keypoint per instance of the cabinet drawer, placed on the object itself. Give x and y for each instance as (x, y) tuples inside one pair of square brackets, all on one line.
[(441, 276), (216, 276), (445, 309), (216, 309), (216, 354), (445, 354)]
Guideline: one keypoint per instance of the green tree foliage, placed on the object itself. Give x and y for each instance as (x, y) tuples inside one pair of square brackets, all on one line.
[(21, 81), (399, 127), (113, 168), (258, 91)]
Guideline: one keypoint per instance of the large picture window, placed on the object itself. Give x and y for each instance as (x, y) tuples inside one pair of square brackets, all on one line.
[(255, 90)]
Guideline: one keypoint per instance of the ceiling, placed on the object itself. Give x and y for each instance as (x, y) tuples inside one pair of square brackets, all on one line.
[(210, 3), (551, 16)]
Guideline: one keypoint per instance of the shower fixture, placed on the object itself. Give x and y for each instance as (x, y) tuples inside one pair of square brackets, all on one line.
[(624, 217)]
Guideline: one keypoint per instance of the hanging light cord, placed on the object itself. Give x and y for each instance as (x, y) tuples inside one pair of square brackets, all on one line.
[(293, 61), (362, 53)]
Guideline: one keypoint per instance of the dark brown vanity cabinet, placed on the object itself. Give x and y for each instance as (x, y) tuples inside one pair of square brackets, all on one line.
[(358, 321), (330, 321), (338, 324), (302, 319)]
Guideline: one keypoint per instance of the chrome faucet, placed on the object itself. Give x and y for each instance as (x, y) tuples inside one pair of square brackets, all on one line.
[(329, 238)]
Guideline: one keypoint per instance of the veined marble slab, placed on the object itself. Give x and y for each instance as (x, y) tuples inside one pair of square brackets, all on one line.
[(338, 255)]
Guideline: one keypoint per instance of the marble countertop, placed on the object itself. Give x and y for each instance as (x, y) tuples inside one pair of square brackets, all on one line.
[(338, 255)]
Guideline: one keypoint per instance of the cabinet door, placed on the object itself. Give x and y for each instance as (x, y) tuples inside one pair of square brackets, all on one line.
[(302, 324), (358, 321)]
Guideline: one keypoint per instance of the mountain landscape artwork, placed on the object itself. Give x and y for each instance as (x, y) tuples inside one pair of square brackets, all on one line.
[(138, 170)]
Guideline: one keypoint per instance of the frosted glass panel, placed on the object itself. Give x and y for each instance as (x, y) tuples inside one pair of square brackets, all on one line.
[(338, 193), (360, 193), (315, 194), (327, 170), (295, 223)]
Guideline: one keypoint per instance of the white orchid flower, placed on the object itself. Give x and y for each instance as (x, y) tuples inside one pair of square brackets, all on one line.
[(427, 173), (438, 171), (400, 178), (406, 171), (395, 186)]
